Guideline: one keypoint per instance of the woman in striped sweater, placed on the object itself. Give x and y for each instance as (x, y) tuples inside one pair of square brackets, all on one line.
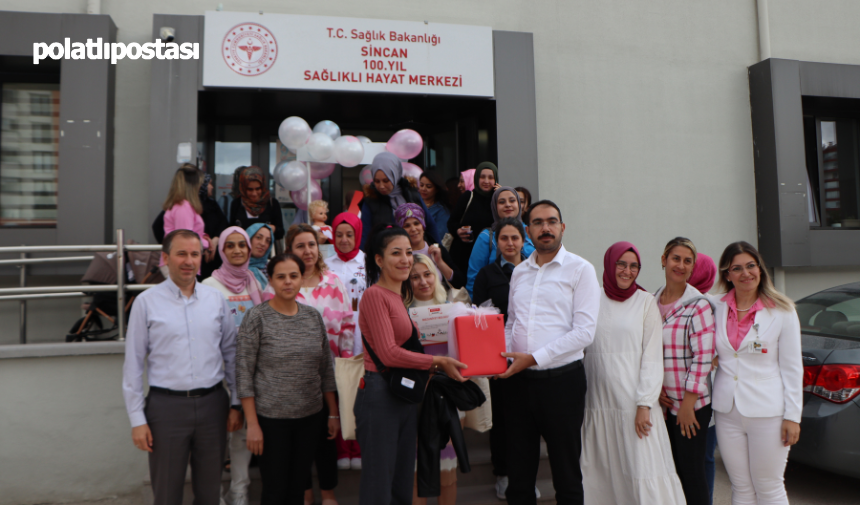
[(285, 380)]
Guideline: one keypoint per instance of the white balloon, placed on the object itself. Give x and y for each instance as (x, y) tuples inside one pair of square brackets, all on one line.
[(348, 150), (330, 128), (294, 132), (364, 140), (320, 146), (276, 173), (294, 176)]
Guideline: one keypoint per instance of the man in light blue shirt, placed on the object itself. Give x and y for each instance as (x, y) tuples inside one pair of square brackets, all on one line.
[(186, 335)]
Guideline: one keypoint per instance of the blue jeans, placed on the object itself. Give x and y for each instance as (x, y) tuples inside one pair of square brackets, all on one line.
[(710, 468)]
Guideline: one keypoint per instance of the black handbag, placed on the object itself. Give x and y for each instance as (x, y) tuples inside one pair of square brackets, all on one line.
[(405, 384)]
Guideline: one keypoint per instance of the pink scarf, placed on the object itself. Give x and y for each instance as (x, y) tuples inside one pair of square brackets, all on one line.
[(704, 273), (236, 279), (469, 179)]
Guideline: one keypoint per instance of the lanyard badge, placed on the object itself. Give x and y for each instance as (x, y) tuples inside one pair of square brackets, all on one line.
[(757, 346)]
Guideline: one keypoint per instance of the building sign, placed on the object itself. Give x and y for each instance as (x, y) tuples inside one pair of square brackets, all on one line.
[(346, 54)]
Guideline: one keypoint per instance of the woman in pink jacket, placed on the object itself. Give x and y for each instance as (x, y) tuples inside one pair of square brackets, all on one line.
[(323, 290), (182, 208)]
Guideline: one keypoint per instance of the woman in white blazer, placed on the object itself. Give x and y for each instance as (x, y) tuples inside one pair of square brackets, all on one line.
[(758, 395)]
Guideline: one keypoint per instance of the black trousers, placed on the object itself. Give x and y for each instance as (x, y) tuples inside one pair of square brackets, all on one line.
[(288, 452), (387, 430), (498, 433), (184, 428), (689, 455), (551, 408), (325, 456)]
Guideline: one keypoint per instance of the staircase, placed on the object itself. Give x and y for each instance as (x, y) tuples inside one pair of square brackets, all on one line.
[(474, 488)]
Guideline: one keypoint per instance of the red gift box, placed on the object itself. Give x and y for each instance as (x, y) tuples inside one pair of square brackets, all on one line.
[(481, 346)]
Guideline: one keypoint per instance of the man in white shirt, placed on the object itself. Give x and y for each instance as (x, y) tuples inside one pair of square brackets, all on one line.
[(183, 331), (552, 315)]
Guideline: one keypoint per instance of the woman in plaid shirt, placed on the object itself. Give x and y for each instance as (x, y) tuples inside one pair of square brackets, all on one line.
[(688, 349)]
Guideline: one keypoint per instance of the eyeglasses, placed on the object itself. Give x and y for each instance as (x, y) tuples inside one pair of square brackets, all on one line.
[(738, 269), (622, 265)]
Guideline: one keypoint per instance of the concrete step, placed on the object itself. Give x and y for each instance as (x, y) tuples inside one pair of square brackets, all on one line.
[(474, 488), (484, 494)]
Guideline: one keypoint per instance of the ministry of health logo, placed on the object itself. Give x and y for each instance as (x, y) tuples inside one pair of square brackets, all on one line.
[(249, 49)]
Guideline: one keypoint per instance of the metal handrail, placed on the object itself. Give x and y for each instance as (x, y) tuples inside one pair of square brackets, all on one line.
[(44, 296), (76, 248), (39, 261), (95, 288), (24, 293)]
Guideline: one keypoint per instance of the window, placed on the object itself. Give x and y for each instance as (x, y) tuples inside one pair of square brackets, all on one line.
[(40, 104), (232, 150), (29, 149), (832, 138), (832, 312)]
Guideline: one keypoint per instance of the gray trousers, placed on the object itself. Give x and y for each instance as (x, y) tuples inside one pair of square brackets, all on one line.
[(184, 428), (387, 432)]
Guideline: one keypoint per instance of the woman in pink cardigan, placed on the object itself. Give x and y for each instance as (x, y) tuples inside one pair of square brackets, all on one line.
[(182, 208), (323, 290)]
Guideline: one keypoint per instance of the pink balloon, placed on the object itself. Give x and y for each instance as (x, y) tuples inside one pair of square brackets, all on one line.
[(405, 144), (365, 177), (321, 170), (300, 197), (411, 170)]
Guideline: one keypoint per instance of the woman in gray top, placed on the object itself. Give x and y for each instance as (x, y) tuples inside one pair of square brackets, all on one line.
[(284, 372)]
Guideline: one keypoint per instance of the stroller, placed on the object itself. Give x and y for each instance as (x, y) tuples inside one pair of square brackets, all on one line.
[(140, 267)]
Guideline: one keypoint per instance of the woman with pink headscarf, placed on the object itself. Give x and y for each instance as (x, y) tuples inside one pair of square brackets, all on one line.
[(704, 273), (626, 456), (467, 180), (472, 213), (241, 290), (703, 278)]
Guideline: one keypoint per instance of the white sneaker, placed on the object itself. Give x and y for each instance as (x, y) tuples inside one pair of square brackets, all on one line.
[(537, 493), (501, 487), (343, 464), (355, 463), (231, 499)]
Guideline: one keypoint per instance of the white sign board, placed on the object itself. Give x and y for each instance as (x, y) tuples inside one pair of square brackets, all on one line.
[(289, 51)]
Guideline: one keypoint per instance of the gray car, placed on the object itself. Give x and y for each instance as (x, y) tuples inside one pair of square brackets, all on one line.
[(830, 426)]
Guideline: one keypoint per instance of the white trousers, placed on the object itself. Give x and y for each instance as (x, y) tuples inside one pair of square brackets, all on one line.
[(240, 459), (752, 450)]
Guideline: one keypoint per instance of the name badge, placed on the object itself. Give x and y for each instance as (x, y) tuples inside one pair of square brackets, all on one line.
[(757, 347)]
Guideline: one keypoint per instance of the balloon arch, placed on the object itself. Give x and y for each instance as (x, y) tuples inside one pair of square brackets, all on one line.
[(319, 149)]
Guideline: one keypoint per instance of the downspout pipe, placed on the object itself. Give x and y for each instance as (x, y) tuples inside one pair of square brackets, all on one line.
[(763, 30), (94, 7)]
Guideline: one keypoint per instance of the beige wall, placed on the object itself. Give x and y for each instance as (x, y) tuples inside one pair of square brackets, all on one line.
[(801, 282), (643, 134), (642, 107), (66, 434), (811, 30)]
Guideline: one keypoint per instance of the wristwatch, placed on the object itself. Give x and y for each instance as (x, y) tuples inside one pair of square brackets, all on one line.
[(236, 407)]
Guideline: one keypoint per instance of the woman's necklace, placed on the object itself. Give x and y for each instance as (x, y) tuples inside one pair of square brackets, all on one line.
[(307, 282), (746, 309)]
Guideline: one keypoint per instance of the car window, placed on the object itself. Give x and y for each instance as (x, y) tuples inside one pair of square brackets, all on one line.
[(834, 313)]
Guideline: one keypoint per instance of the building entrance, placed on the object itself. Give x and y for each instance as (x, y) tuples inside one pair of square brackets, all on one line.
[(239, 127)]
